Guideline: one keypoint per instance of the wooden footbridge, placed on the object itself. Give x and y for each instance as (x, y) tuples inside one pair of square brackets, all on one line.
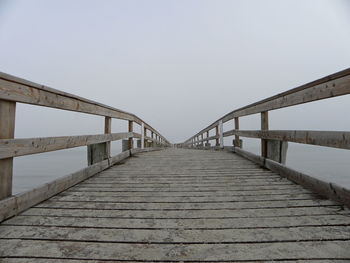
[(163, 202)]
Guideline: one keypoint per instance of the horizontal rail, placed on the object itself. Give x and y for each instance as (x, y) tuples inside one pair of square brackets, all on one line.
[(334, 85), (23, 91), (19, 147), (335, 139)]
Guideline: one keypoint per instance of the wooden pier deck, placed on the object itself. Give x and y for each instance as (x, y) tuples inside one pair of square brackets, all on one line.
[(180, 205)]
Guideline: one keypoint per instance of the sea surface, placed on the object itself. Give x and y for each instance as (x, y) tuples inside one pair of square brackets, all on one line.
[(328, 164)]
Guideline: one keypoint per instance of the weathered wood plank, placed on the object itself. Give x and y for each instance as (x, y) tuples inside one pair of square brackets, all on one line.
[(180, 213), (191, 193), (150, 252), (20, 147), (335, 139), (186, 206), (183, 223), (118, 188), (188, 236), (61, 260), (108, 197)]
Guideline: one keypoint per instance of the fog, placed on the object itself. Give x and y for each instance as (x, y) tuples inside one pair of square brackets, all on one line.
[(179, 65)]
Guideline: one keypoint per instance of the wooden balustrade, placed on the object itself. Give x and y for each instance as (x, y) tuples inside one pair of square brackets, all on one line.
[(13, 90), (337, 84)]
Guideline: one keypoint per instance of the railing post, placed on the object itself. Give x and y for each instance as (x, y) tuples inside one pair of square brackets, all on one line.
[(100, 151), (145, 144), (237, 142), (221, 133), (131, 140), (152, 134), (264, 127), (7, 131), (217, 135), (142, 136), (108, 129)]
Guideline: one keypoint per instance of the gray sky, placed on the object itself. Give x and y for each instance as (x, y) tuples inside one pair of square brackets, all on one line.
[(179, 65)]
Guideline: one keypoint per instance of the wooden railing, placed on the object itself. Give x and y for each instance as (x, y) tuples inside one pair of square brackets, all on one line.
[(274, 142), (13, 90)]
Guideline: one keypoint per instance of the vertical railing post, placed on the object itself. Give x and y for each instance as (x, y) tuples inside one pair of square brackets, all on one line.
[(108, 129), (217, 135), (221, 134), (131, 140), (142, 136), (237, 141), (152, 134), (7, 131), (145, 134), (264, 127)]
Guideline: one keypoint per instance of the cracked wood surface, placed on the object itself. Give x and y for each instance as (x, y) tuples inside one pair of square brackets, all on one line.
[(180, 205)]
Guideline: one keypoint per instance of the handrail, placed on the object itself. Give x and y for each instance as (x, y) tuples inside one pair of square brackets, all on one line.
[(337, 84), (14, 89), (19, 90)]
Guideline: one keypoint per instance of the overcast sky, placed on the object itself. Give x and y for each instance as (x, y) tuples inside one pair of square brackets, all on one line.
[(179, 65)]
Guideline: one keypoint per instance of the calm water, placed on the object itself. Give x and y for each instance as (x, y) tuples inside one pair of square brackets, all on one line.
[(325, 163)]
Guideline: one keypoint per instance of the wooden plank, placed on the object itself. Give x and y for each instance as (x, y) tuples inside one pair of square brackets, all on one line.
[(189, 236), (62, 260), (7, 131), (335, 139), (184, 223), (180, 213), (91, 204), (20, 147), (166, 252), (42, 97), (193, 193), (104, 188), (105, 197)]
